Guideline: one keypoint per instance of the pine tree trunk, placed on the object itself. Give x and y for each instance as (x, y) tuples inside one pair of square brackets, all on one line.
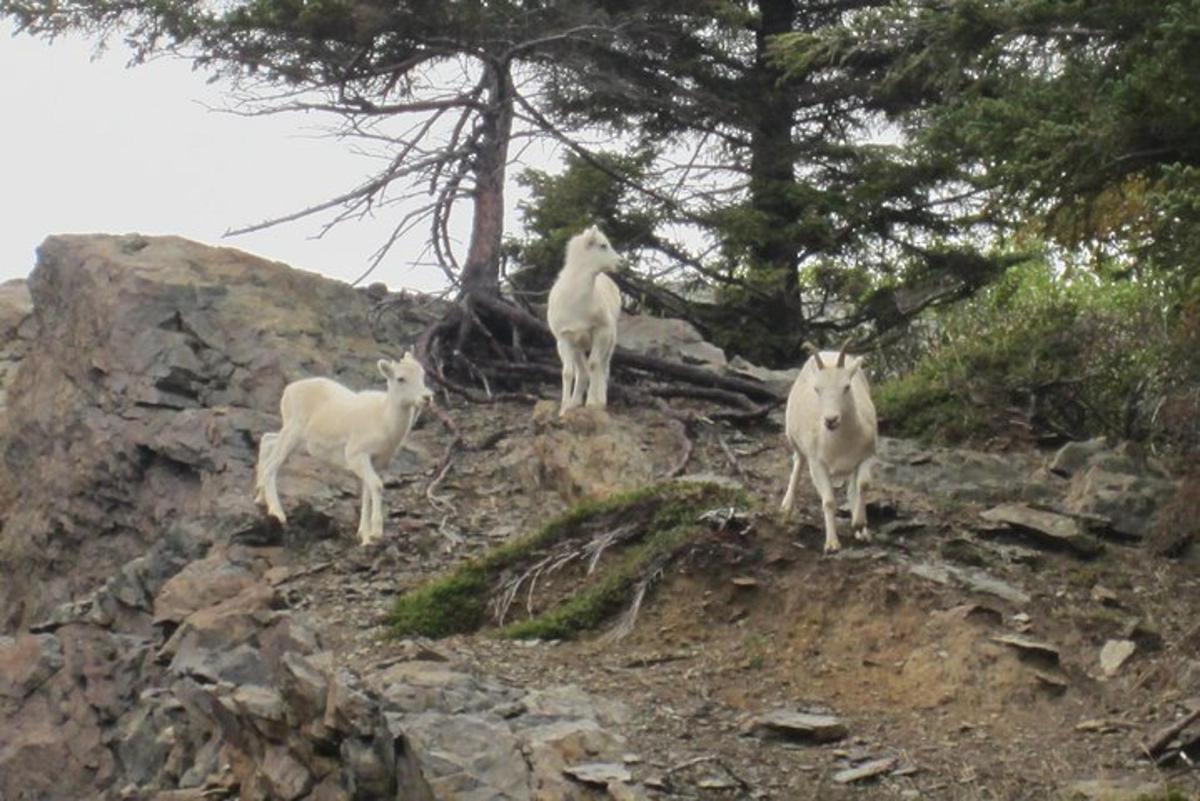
[(481, 272), (772, 170)]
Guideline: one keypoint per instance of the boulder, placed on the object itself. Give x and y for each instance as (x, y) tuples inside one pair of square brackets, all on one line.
[(475, 738), (587, 453), (1126, 500), (667, 338)]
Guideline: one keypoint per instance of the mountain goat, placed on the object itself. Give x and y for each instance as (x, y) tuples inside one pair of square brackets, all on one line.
[(830, 421), (583, 311), (356, 431)]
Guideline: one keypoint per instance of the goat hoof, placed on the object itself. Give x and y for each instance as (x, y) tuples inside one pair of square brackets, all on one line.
[(832, 549), (862, 535)]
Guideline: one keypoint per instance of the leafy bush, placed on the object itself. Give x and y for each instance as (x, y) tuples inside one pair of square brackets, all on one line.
[(1037, 354)]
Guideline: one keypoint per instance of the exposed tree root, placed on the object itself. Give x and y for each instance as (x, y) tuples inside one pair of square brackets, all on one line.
[(486, 349)]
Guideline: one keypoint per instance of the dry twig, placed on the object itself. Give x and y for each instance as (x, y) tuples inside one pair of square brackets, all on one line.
[(733, 460), (1163, 738)]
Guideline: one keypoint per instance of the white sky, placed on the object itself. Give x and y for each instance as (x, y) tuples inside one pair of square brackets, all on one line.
[(89, 146)]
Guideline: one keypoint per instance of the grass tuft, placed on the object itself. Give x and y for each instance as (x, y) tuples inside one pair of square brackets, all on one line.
[(457, 601)]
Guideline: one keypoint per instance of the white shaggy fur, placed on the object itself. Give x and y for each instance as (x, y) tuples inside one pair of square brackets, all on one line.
[(830, 421), (583, 311), (357, 431)]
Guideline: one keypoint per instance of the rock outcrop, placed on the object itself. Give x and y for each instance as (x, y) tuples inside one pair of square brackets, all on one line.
[(147, 646), (151, 648)]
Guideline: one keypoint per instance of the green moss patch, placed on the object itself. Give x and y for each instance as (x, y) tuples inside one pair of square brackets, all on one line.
[(584, 567)]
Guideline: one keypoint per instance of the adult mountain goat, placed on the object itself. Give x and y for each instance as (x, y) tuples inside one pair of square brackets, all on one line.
[(830, 421), (583, 310), (357, 431)]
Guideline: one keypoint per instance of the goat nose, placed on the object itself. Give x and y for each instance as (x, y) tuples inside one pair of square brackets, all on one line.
[(832, 422)]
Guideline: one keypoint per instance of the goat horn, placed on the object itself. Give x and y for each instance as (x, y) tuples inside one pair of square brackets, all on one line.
[(817, 356), (841, 362)]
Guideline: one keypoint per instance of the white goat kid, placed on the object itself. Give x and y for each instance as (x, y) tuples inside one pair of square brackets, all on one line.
[(583, 311), (830, 421), (356, 431)]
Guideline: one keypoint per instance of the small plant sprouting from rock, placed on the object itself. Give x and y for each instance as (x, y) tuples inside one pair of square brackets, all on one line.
[(610, 552)]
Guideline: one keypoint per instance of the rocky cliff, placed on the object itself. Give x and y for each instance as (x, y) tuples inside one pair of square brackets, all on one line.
[(160, 640), (147, 647)]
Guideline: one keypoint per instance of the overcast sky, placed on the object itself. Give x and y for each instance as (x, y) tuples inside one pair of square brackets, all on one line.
[(90, 146)]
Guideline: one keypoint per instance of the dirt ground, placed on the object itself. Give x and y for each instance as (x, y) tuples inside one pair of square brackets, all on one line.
[(759, 620)]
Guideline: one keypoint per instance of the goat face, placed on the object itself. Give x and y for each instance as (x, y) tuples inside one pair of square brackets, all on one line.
[(593, 250), (835, 400), (406, 378)]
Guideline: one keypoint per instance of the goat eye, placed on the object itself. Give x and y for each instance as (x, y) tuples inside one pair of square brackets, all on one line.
[(846, 388)]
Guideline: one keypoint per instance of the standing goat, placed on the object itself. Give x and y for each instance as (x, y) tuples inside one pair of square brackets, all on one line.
[(830, 421), (356, 431), (583, 311)]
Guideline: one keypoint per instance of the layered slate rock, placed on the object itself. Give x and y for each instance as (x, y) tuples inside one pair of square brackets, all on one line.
[(146, 651), (1043, 527), (153, 366)]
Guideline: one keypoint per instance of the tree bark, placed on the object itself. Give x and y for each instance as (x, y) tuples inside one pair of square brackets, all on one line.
[(481, 271), (775, 254)]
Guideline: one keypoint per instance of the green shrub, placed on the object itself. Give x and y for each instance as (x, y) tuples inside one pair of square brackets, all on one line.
[(1036, 352)]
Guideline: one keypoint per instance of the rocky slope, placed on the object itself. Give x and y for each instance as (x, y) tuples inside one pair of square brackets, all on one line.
[(158, 640)]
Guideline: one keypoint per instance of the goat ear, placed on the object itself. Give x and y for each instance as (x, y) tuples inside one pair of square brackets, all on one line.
[(407, 356), (385, 368)]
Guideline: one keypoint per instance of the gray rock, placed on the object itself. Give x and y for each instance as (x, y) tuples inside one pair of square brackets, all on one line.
[(27, 662), (599, 773), (282, 775), (794, 725), (666, 338), (866, 770), (466, 756), (1045, 528), (958, 474), (1114, 654), (1030, 647), (970, 578), (568, 701), (423, 686), (779, 380), (1127, 501), (1073, 456), (552, 747)]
